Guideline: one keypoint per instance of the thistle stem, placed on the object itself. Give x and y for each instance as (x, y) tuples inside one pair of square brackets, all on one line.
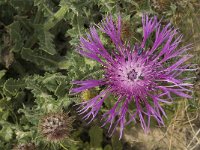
[(63, 146), (59, 15)]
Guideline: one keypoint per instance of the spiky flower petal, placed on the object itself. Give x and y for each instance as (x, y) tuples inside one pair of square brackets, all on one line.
[(140, 75)]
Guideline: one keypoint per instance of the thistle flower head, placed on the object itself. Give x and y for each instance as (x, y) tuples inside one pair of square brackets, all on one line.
[(139, 76), (23, 146), (55, 126)]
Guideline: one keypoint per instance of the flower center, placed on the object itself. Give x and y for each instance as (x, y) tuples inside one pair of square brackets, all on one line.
[(132, 75)]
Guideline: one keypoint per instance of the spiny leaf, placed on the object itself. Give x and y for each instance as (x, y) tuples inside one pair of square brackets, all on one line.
[(34, 83), (40, 58), (45, 101), (43, 89), (61, 89), (12, 86), (2, 73), (96, 137), (6, 132), (21, 5), (45, 6), (2, 2), (56, 83), (77, 28), (4, 110), (28, 115), (16, 36), (45, 40), (107, 147), (58, 16), (116, 144), (49, 82)]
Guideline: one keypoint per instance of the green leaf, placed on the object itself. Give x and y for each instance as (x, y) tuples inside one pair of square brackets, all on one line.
[(107, 147), (56, 83), (34, 83), (58, 16), (45, 6), (43, 89), (61, 89), (21, 5), (2, 73), (44, 100), (96, 137), (3, 2), (64, 64), (12, 87), (6, 132), (28, 115), (4, 110), (116, 143), (16, 37), (46, 40), (41, 58)]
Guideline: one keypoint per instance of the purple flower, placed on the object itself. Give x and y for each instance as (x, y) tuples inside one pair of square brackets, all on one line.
[(140, 76)]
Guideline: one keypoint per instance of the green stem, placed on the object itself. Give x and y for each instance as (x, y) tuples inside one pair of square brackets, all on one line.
[(63, 146), (54, 147), (78, 25), (32, 40), (59, 15), (48, 10)]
